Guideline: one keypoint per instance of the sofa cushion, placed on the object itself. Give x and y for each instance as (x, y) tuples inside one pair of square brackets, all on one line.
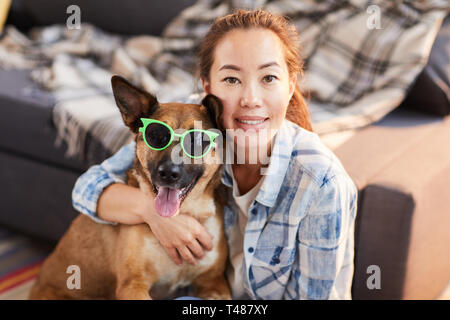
[(26, 126), (431, 90), (382, 142), (36, 197)]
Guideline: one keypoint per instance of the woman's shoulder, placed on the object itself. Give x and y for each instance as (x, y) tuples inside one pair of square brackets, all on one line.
[(311, 156), (317, 171)]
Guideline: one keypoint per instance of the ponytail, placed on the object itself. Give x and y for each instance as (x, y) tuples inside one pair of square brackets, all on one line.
[(297, 110)]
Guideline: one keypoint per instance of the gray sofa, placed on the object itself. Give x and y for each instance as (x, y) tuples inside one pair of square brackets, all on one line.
[(401, 165)]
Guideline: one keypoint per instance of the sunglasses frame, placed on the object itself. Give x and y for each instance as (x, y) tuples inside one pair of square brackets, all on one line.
[(211, 135)]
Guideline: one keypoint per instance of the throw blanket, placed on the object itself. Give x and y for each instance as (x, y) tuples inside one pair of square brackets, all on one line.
[(361, 57)]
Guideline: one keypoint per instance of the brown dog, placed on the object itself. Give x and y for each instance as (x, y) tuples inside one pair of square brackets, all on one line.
[(125, 262)]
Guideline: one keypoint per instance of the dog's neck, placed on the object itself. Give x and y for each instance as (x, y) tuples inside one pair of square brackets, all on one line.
[(199, 209)]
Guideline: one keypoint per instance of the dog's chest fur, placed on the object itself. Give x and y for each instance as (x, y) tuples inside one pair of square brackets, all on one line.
[(172, 276)]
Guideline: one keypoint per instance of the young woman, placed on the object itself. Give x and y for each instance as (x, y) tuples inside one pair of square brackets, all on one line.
[(291, 232)]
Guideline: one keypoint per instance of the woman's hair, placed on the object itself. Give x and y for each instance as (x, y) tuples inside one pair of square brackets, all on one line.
[(297, 110)]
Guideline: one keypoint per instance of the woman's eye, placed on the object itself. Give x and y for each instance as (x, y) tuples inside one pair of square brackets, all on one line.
[(231, 80), (269, 78)]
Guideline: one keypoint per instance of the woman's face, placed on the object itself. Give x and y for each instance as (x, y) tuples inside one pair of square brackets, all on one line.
[(250, 76)]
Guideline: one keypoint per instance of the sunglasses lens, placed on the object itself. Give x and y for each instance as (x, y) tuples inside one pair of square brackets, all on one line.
[(157, 135), (196, 143)]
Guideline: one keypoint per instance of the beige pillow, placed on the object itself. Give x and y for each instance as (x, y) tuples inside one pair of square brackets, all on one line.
[(4, 8)]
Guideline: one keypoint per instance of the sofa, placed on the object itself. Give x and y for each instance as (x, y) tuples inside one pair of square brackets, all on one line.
[(400, 164)]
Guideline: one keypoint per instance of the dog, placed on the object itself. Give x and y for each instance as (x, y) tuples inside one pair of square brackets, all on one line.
[(127, 261)]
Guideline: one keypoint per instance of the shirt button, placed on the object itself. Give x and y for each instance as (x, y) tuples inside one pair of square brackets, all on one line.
[(254, 211), (250, 249)]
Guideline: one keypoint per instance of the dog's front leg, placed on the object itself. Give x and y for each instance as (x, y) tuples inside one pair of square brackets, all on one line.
[(136, 288), (134, 275), (212, 288), (134, 279)]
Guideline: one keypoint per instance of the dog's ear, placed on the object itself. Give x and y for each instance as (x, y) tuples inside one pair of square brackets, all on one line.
[(133, 103), (215, 109)]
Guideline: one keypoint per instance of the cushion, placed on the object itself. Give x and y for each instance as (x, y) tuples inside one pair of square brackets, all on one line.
[(431, 91), (26, 126), (4, 8), (381, 143), (36, 198)]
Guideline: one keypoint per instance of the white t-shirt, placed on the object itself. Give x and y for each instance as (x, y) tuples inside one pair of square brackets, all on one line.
[(236, 251)]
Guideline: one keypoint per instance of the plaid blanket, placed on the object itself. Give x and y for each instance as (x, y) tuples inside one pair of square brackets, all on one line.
[(361, 57)]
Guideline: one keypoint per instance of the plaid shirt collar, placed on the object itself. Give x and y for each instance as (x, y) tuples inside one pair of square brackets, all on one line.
[(279, 162)]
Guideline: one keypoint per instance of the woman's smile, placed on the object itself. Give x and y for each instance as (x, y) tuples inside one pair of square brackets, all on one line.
[(251, 123)]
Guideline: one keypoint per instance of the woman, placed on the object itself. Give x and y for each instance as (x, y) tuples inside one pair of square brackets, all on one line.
[(290, 232)]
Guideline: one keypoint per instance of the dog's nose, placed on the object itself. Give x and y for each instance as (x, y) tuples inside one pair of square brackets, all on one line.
[(169, 173)]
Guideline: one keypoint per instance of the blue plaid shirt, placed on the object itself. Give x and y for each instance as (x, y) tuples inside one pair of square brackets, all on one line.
[(299, 238)]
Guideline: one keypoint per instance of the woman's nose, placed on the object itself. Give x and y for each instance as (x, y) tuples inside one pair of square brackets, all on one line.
[(250, 97)]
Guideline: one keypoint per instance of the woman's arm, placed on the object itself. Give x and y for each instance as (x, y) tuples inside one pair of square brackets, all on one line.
[(120, 203), (102, 194), (325, 247), (91, 184)]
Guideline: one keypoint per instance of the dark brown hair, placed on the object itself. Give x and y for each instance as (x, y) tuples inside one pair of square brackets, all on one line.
[(297, 110)]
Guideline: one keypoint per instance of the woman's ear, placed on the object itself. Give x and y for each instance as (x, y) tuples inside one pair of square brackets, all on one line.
[(206, 86), (292, 84)]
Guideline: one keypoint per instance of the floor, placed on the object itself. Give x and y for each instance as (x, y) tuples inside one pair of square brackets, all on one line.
[(20, 260)]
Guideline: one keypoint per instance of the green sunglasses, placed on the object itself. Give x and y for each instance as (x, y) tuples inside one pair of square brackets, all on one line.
[(196, 143)]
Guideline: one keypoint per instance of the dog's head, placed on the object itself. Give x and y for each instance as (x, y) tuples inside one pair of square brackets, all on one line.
[(169, 181)]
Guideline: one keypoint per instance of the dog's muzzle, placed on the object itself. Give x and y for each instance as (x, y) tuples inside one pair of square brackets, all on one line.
[(171, 184)]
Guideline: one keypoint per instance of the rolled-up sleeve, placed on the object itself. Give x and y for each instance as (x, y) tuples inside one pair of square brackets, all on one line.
[(323, 268), (91, 184)]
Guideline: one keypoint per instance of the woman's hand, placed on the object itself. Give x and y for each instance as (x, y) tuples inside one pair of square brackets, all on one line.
[(182, 236)]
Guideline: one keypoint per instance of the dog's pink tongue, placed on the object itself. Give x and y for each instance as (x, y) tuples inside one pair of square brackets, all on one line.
[(167, 201)]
